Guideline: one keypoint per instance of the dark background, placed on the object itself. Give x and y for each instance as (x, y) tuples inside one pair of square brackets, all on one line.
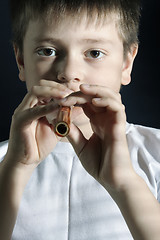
[(141, 97)]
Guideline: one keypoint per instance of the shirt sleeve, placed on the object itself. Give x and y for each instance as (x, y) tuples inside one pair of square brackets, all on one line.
[(144, 146), (158, 191), (3, 149)]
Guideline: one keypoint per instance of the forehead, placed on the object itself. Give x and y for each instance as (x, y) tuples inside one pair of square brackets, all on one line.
[(81, 26)]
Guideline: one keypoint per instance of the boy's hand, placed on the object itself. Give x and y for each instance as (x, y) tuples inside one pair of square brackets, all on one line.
[(31, 137), (105, 155)]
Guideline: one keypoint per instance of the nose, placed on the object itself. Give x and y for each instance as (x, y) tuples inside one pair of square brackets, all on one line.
[(70, 69)]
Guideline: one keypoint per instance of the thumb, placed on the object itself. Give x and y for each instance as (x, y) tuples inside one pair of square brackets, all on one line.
[(77, 139)]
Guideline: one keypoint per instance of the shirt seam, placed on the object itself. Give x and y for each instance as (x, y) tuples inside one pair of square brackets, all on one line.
[(69, 201)]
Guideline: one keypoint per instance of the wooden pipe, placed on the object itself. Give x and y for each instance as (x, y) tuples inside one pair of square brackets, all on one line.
[(62, 126)]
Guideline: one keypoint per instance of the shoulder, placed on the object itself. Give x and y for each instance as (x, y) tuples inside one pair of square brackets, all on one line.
[(3, 149), (143, 137), (144, 147)]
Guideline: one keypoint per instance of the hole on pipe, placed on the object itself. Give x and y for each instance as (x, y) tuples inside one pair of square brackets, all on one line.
[(62, 129)]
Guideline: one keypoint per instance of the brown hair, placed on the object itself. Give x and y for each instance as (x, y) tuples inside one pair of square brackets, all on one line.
[(127, 11)]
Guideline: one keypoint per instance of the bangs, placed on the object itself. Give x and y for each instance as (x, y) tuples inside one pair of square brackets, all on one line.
[(125, 14), (73, 10)]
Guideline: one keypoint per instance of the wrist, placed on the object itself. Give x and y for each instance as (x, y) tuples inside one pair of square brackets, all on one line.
[(12, 183), (13, 180), (16, 173), (129, 185), (118, 172), (19, 163)]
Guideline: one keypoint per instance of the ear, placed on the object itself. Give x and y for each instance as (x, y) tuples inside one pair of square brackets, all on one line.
[(128, 64), (20, 63)]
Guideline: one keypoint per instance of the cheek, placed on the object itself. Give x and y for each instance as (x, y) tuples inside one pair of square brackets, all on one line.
[(43, 69), (30, 77), (34, 72), (108, 75), (46, 70)]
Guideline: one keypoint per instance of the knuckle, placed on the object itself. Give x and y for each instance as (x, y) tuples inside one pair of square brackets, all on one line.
[(16, 118), (16, 111), (33, 90), (42, 82), (119, 97), (123, 107), (37, 110)]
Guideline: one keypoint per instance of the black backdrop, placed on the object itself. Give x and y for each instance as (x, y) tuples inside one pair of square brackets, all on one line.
[(141, 97)]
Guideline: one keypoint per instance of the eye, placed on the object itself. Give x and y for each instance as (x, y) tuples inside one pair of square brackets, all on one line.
[(47, 52), (97, 54)]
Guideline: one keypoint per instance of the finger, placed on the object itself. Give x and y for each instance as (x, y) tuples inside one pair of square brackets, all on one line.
[(58, 86), (101, 105), (26, 117), (29, 101), (100, 91), (89, 110), (76, 98), (51, 83), (108, 103), (45, 92)]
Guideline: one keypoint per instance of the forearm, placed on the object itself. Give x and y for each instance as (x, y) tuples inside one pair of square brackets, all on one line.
[(140, 210), (12, 184)]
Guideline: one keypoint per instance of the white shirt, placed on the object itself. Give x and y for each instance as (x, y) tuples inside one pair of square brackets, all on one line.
[(63, 202)]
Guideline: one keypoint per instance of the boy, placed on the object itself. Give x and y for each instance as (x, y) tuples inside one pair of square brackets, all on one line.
[(77, 54)]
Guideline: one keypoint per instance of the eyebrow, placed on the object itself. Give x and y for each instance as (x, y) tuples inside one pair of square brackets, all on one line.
[(98, 40), (59, 41), (49, 40)]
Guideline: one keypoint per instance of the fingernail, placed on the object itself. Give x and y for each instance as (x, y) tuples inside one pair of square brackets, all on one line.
[(97, 99), (86, 85), (62, 100), (68, 91)]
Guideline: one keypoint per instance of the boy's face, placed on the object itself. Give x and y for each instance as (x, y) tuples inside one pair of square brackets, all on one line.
[(73, 53)]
